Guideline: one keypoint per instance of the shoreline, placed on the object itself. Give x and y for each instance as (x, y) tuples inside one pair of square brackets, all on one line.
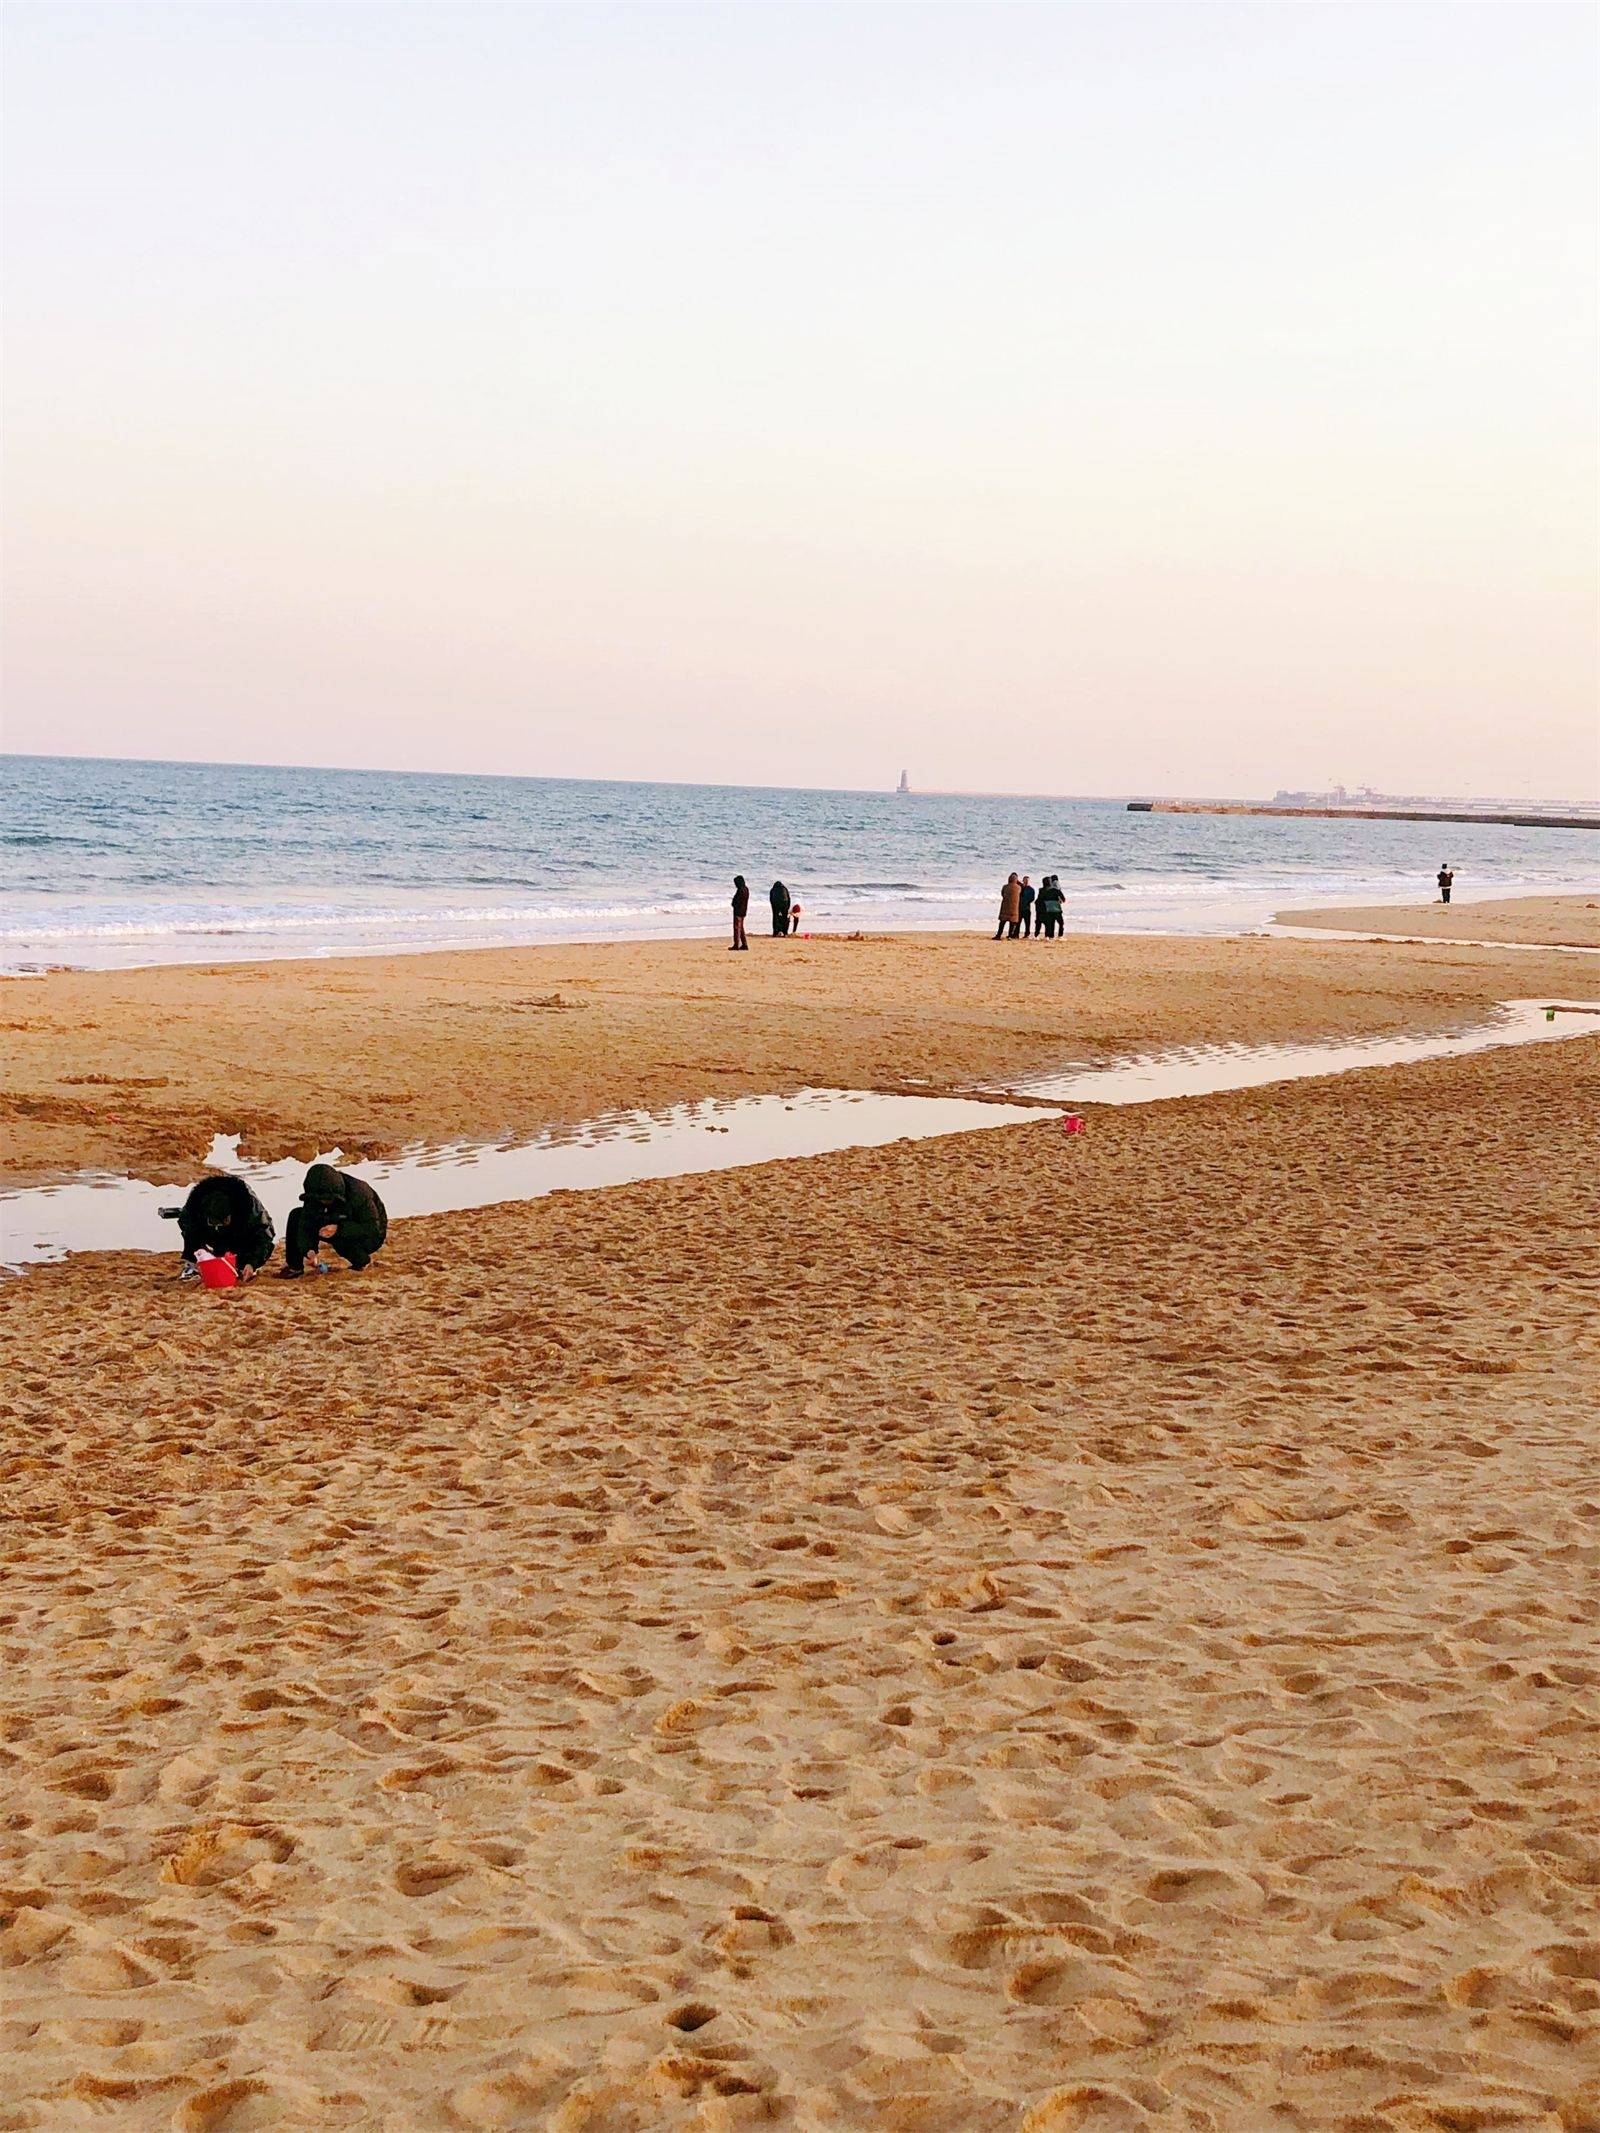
[(1164, 909), (1571, 921)]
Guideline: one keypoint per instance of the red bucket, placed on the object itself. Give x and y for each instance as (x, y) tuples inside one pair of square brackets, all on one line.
[(218, 1270), (1072, 1123)]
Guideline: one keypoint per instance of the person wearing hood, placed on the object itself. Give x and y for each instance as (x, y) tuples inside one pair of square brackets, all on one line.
[(1048, 919), (1010, 909), (741, 905), (223, 1215), (335, 1209), (778, 897)]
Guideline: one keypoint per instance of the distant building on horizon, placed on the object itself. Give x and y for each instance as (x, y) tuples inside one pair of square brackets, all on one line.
[(1368, 796), (904, 785)]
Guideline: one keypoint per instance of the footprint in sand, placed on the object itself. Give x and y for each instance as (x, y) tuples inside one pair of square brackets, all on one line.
[(1088, 2104), (425, 1877), (210, 1856), (229, 2107)]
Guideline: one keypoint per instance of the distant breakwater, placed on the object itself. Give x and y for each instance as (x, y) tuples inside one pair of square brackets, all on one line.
[(1361, 814)]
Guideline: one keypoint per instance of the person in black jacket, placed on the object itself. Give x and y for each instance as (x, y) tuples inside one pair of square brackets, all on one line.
[(1026, 902), (778, 897), (741, 905), (336, 1209), (1048, 916), (223, 1215)]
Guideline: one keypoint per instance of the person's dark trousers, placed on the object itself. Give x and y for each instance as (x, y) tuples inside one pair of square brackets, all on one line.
[(1014, 930), (1444, 895), (299, 1238), (1000, 931), (780, 923), (300, 1241)]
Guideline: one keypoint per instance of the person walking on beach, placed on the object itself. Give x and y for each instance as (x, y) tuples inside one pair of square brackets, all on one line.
[(1010, 909), (1446, 881), (741, 906), (1026, 900), (778, 897), (338, 1210)]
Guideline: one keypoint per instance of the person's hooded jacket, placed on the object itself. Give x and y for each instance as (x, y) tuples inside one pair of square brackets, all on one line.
[(330, 1195), (223, 1215), (1011, 902)]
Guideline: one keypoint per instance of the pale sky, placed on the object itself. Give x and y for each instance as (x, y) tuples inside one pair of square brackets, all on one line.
[(1057, 398)]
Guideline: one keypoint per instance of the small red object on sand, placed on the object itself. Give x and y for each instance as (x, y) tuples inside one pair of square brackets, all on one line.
[(1072, 1123), (218, 1270)]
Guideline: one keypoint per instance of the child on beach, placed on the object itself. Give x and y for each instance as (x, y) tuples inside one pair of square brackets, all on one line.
[(223, 1215), (335, 1209)]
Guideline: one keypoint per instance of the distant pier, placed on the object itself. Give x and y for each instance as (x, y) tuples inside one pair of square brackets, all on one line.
[(1361, 814)]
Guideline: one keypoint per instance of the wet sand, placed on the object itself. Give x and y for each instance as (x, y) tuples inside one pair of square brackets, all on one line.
[(1562, 921), (138, 1069), (1001, 1633)]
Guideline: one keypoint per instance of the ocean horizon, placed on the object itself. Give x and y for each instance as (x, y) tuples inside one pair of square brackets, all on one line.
[(116, 863)]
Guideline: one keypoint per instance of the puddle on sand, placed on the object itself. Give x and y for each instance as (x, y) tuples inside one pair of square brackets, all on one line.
[(99, 1211), (102, 1212), (1211, 1069)]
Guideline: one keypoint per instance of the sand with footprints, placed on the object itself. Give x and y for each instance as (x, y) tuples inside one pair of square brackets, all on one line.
[(1003, 1633)]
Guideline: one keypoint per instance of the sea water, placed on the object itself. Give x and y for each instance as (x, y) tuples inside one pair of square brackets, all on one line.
[(106, 864)]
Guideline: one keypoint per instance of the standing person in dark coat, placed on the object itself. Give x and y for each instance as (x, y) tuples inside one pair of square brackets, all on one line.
[(1051, 903), (741, 906), (336, 1209), (778, 897), (1447, 880), (1029, 893), (224, 1215)]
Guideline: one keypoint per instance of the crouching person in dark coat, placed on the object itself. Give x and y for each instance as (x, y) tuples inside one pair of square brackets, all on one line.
[(335, 1209), (224, 1215)]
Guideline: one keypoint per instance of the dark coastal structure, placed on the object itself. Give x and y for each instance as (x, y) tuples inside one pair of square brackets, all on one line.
[(1363, 814)]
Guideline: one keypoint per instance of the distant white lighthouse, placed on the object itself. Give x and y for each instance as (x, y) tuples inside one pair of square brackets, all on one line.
[(904, 785)]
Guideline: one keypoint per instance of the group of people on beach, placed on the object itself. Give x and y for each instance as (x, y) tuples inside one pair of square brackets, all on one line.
[(786, 913), (1026, 911), (223, 1219)]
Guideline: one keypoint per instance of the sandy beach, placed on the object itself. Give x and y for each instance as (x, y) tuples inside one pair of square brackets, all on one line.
[(1569, 921), (138, 1069), (997, 1635)]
